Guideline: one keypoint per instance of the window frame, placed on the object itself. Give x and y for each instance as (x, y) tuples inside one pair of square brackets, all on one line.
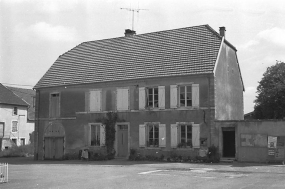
[(186, 95), (50, 104), (181, 145), (23, 139), (186, 142), (156, 140), (98, 134), (15, 110), (17, 126), (153, 97)]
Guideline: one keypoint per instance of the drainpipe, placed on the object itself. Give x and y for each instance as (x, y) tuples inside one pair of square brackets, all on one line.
[(209, 109)]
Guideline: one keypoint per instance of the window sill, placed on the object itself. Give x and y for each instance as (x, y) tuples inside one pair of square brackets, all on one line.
[(185, 149)]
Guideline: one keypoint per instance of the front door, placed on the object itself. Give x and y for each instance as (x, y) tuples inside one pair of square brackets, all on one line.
[(229, 145), (54, 148), (122, 140)]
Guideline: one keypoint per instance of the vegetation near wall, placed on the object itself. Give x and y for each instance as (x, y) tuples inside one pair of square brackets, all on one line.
[(270, 100)]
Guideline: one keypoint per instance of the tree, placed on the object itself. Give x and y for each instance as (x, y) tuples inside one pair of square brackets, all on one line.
[(270, 100)]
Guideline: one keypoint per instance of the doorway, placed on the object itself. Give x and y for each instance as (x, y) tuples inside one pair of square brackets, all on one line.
[(229, 144), (122, 140), (54, 148)]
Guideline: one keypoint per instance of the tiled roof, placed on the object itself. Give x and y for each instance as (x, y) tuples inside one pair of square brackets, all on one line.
[(8, 97), (191, 50), (27, 95)]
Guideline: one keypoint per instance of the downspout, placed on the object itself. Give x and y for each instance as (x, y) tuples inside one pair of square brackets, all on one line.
[(37, 126), (209, 109)]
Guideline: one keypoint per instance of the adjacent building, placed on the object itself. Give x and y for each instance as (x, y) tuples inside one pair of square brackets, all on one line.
[(16, 117)]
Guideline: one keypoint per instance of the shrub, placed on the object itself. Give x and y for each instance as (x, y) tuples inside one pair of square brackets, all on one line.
[(18, 151), (213, 155)]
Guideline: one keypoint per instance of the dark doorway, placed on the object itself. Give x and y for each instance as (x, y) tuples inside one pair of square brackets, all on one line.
[(229, 144)]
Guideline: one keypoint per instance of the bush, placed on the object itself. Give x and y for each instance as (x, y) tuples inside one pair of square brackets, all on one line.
[(18, 151), (213, 155)]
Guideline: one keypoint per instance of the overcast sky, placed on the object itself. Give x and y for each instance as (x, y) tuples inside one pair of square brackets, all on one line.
[(34, 33)]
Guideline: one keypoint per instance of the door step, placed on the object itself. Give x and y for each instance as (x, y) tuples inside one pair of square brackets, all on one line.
[(227, 160)]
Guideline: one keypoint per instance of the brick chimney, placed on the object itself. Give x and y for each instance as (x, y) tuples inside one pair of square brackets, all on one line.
[(223, 31), (129, 33)]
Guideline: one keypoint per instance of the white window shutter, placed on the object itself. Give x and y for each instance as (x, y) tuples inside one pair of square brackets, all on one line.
[(196, 135), (195, 95), (142, 135), (142, 98), (95, 100), (102, 135), (122, 99), (161, 97), (173, 130), (173, 96), (162, 135)]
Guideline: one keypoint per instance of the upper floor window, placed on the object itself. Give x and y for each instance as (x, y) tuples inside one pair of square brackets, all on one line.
[(14, 126), (122, 99), (184, 95), (54, 105), (15, 111), (95, 100), (152, 97)]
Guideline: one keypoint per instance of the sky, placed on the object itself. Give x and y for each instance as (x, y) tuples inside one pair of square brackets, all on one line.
[(35, 33)]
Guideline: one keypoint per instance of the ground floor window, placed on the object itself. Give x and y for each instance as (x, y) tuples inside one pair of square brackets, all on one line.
[(95, 135), (23, 141), (14, 141), (153, 134), (185, 135)]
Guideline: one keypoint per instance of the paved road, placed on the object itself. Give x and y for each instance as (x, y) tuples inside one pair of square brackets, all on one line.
[(26, 173)]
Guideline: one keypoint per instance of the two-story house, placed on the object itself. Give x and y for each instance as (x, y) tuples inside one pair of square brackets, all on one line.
[(166, 87), (15, 125)]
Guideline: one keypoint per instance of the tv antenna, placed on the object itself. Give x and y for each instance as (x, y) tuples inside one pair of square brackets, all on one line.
[(133, 10)]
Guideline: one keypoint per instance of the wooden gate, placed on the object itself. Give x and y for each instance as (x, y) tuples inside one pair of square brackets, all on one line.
[(54, 141), (54, 148)]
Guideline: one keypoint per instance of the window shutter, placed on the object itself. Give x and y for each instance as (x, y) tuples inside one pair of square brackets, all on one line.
[(142, 135), (142, 98), (173, 96), (122, 99), (87, 101), (173, 130), (161, 97), (102, 135), (195, 95), (95, 100), (196, 135), (162, 135)]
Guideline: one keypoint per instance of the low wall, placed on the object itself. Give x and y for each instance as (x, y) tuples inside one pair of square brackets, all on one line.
[(252, 139)]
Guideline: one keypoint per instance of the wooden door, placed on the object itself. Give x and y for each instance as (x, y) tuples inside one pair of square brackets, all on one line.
[(122, 140), (54, 147)]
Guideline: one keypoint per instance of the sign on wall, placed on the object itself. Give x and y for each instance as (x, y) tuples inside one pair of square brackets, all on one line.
[(253, 140), (276, 148), (272, 142)]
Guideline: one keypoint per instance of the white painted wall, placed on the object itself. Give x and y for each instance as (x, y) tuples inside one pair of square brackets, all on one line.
[(24, 127)]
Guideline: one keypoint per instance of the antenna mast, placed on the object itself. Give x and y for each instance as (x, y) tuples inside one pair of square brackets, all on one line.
[(133, 10)]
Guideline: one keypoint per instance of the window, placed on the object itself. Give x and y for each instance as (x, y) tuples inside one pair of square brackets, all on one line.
[(95, 135), (23, 141), (185, 96), (15, 111), (2, 129), (152, 97), (185, 136), (14, 141), (95, 100), (54, 105), (14, 126), (153, 133), (122, 99)]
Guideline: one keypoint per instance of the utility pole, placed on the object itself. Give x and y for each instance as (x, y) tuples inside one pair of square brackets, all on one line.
[(133, 10)]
